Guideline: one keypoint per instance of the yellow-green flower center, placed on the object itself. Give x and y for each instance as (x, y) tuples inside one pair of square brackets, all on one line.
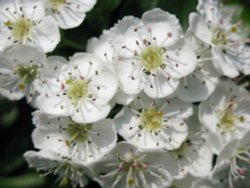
[(152, 57), (77, 133), (76, 89), (151, 118), (56, 4), (27, 74), (227, 119), (20, 28), (219, 36)]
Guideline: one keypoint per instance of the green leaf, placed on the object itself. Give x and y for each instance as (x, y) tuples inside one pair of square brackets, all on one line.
[(23, 181)]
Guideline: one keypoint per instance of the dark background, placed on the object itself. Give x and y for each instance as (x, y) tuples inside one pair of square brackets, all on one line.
[(15, 117)]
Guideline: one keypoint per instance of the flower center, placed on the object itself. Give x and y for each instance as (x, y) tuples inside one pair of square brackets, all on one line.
[(76, 89), (21, 28), (227, 118), (56, 4), (77, 133), (27, 74), (152, 57), (67, 173), (238, 164), (151, 118), (131, 166), (219, 37)]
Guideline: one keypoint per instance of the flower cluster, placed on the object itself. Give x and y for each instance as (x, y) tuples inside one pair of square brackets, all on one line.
[(147, 105)]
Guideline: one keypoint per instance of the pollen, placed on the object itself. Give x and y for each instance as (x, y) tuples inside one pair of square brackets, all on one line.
[(242, 119), (8, 23), (234, 29)]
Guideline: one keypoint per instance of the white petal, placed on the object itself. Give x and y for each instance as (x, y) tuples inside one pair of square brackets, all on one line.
[(72, 13), (223, 63), (199, 85), (127, 123), (228, 151), (46, 34), (87, 65), (34, 10), (203, 165), (183, 60), (126, 24), (130, 76), (164, 26), (199, 27), (123, 98), (40, 159), (160, 86), (208, 117), (53, 105), (103, 87), (102, 48), (176, 108), (88, 112)]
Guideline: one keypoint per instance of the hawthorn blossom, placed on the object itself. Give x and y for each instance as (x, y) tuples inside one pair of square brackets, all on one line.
[(151, 54), (226, 114), (154, 123), (24, 22), (81, 90), (19, 68), (232, 164), (126, 166), (215, 27), (67, 170), (85, 142), (69, 13), (194, 156)]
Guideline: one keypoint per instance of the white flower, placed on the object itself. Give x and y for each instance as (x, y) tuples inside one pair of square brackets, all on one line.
[(154, 124), (81, 90), (67, 170), (151, 54), (199, 84), (215, 27), (194, 156), (20, 66), (85, 142), (126, 166), (232, 165), (69, 13), (24, 22), (226, 114)]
